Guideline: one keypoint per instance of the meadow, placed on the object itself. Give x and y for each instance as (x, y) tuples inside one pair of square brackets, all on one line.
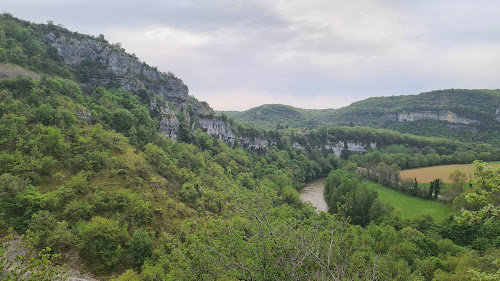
[(442, 172), (411, 206)]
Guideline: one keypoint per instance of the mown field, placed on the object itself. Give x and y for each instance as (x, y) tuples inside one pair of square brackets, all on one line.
[(411, 206), (442, 172)]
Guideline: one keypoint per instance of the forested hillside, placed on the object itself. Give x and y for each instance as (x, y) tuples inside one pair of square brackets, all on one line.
[(466, 115), (102, 174)]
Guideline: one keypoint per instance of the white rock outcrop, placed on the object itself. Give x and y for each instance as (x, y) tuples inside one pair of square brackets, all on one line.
[(408, 116)]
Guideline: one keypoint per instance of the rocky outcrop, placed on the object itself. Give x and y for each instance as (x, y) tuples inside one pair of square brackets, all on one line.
[(296, 145), (497, 113), (338, 147), (169, 122), (116, 66), (218, 128), (170, 127), (449, 116), (253, 144), (221, 129), (84, 115)]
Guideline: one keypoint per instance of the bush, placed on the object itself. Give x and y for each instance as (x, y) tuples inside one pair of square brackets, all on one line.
[(101, 242)]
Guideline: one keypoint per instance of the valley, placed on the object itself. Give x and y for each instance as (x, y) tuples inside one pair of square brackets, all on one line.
[(109, 165)]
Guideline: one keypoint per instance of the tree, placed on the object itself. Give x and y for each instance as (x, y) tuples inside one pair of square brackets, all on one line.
[(123, 120), (431, 189), (360, 203), (436, 188), (486, 195), (456, 187), (141, 246)]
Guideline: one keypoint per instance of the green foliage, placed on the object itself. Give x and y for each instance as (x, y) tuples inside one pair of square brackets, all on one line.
[(23, 45), (343, 190), (51, 233), (290, 196), (101, 242), (140, 246), (18, 200), (485, 197)]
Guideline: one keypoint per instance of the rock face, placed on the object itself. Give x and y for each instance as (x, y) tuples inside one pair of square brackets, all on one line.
[(218, 128), (84, 115), (169, 123), (169, 126), (338, 147), (253, 144), (221, 129), (435, 115), (116, 66)]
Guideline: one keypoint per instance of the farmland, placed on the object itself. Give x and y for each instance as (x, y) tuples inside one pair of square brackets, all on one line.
[(442, 172)]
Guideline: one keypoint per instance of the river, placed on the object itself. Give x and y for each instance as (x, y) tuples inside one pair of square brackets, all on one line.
[(313, 192)]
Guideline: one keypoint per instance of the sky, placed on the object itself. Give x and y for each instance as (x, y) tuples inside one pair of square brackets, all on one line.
[(238, 54)]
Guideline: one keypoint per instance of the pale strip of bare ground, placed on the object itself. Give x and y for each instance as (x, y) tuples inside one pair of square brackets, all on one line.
[(10, 71)]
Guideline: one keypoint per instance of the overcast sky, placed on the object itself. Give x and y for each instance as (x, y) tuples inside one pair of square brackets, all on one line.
[(311, 53)]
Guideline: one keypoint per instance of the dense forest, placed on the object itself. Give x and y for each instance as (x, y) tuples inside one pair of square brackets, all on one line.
[(88, 181)]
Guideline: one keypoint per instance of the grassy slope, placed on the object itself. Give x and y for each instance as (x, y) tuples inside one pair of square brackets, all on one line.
[(442, 172), (411, 206)]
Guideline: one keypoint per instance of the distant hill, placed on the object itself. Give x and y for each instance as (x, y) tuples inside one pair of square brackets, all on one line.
[(269, 115), (467, 115)]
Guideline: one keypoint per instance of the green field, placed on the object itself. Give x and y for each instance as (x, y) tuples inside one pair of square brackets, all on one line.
[(411, 206)]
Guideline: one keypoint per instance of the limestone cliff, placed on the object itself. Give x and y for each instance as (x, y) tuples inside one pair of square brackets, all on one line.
[(223, 130), (218, 128), (448, 116), (98, 63), (338, 147), (114, 65), (356, 147)]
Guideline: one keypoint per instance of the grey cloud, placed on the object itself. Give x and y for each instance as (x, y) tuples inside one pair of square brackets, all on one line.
[(196, 15), (296, 51)]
